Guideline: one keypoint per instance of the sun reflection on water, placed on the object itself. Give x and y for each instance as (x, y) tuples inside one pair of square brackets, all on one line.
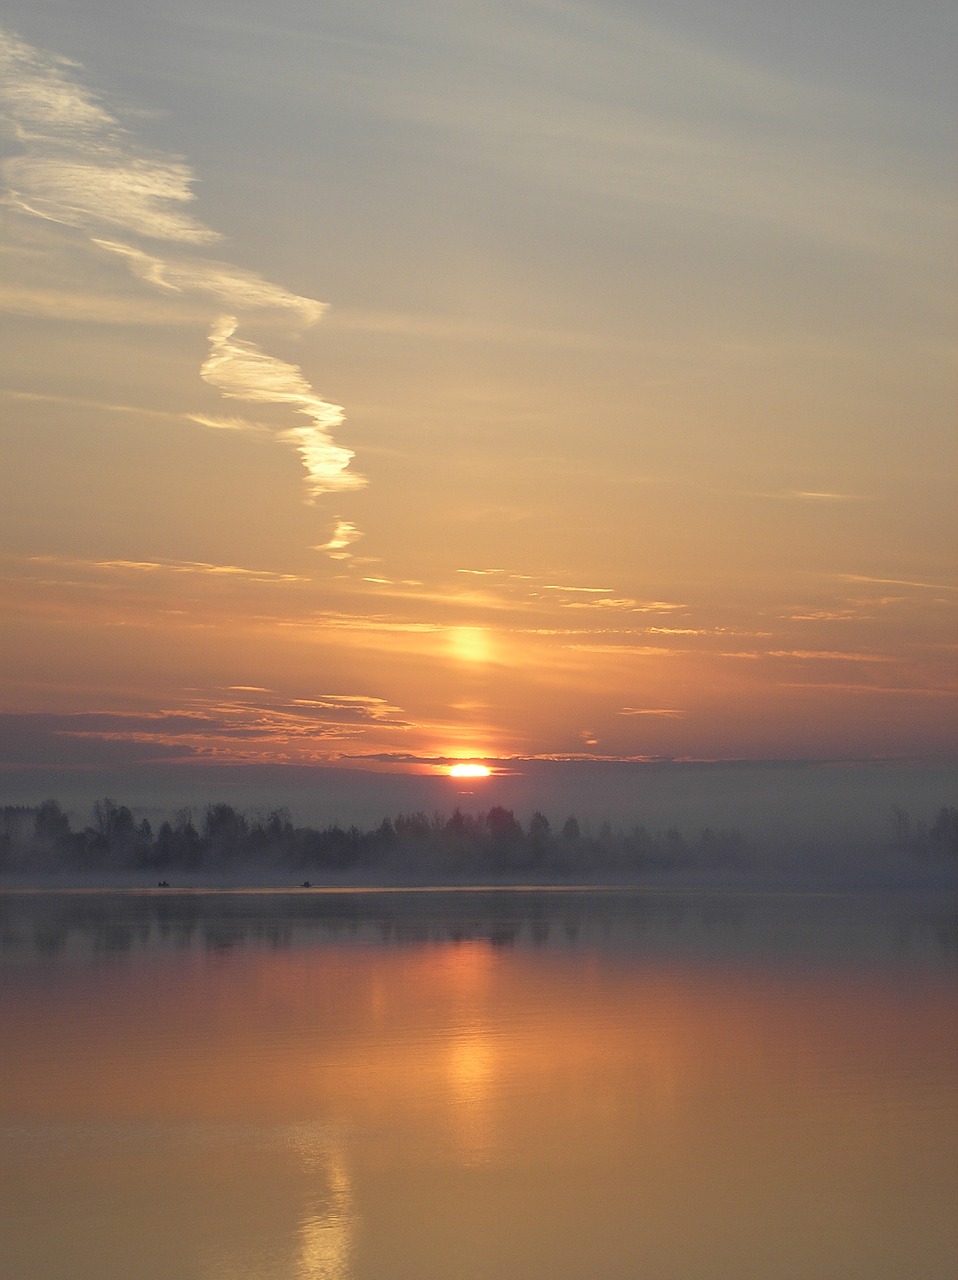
[(326, 1235), (471, 1067)]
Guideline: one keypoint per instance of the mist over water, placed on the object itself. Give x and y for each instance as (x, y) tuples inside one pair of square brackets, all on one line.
[(777, 805), (223, 846)]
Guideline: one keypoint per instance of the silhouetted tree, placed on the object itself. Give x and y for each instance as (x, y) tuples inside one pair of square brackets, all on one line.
[(113, 839), (540, 839), (51, 826), (17, 826), (224, 832), (164, 848), (272, 836), (114, 822), (501, 824), (570, 830), (413, 826), (505, 839)]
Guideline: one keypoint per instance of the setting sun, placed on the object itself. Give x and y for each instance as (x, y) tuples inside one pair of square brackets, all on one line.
[(469, 771)]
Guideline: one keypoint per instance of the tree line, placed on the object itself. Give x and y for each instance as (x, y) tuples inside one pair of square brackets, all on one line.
[(40, 839)]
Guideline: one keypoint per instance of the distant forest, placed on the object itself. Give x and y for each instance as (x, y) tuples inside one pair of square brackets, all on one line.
[(226, 842)]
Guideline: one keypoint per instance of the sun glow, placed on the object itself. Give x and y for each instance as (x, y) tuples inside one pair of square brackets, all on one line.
[(469, 771), (470, 644)]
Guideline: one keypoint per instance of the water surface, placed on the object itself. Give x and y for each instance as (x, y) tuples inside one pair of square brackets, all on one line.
[(495, 1085)]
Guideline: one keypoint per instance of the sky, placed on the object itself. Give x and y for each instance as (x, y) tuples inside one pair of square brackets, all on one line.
[(537, 383)]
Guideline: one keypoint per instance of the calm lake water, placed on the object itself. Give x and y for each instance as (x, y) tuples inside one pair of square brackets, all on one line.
[(503, 1085)]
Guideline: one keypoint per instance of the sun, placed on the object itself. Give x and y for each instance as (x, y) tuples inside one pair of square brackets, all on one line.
[(469, 771)]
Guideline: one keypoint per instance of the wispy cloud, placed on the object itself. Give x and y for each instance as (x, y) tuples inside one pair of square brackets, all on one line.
[(101, 406), (244, 723), (811, 495), (344, 535), (499, 764), (229, 285), (625, 604), (825, 615), (828, 655), (640, 650), (520, 590), (496, 573), (218, 423), (200, 567), (898, 582), (241, 371), (881, 690), (352, 706), (78, 166), (804, 495), (668, 713)]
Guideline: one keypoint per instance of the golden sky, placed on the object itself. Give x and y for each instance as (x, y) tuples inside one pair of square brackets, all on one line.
[(507, 381)]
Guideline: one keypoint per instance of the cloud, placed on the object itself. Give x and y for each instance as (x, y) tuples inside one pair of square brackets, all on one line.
[(642, 650), (624, 604), (101, 406), (666, 712), (621, 604), (229, 285), (352, 706), (815, 496), (502, 764), (803, 495), (257, 726), (526, 589), (218, 423), (898, 691), (201, 567), (828, 655), (133, 193), (344, 535), (32, 740), (897, 582), (486, 573), (825, 615), (81, 168), (241, 371)]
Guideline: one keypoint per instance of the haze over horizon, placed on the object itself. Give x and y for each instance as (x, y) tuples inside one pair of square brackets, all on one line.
[(525, 383)]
